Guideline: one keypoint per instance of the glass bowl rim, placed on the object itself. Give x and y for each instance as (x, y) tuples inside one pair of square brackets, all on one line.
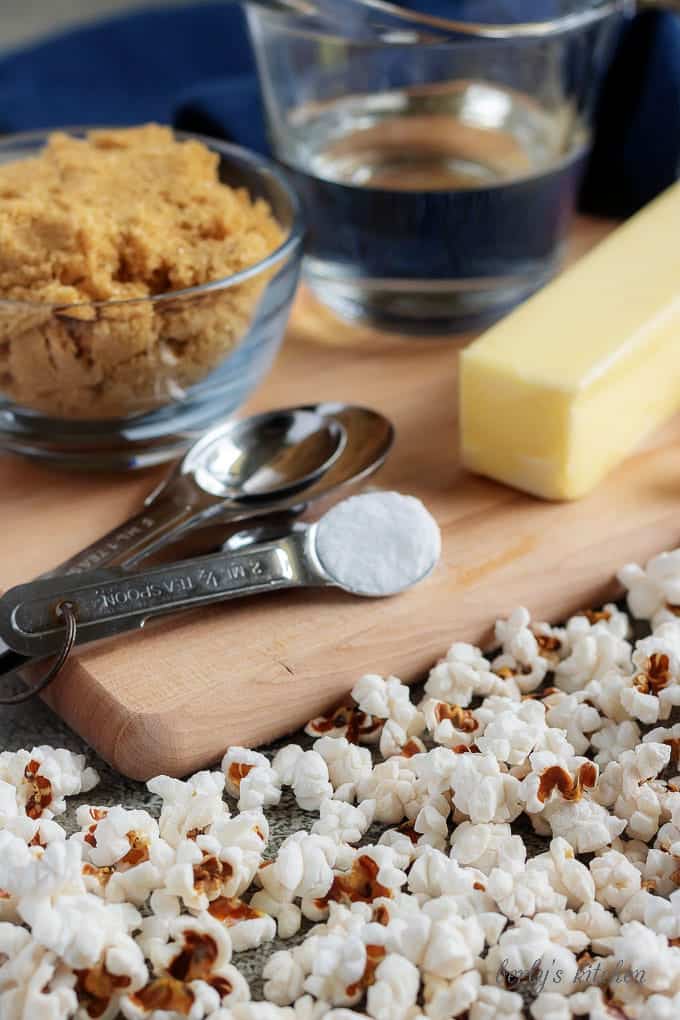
[(470, 31), (253, 161)]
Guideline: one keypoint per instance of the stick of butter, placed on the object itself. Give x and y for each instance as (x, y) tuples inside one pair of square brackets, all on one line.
[(557, 393)]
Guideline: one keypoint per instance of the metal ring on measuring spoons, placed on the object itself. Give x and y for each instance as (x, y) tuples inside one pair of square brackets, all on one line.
[(65, 610)]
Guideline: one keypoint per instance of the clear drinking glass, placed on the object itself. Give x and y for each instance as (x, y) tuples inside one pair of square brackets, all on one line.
[(438, 175)]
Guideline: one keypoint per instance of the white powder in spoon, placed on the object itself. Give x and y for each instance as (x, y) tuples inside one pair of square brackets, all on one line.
[(378, 543)]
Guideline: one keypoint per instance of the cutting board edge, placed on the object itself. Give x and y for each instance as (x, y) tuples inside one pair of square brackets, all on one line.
[(155, 740)]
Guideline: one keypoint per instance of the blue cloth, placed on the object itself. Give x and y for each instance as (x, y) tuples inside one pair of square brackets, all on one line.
[(193, 66), (125, 69)]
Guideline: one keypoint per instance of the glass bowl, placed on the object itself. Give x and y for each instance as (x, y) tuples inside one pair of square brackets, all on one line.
[(195, 355)]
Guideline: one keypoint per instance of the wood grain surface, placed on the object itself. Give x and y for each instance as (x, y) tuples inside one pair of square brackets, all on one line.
[(170, 699)]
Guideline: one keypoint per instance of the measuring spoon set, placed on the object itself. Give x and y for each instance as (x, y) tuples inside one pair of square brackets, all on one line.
[(270, 466)]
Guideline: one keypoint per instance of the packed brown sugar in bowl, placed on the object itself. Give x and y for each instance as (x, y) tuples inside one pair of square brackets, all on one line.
[(95, 221)]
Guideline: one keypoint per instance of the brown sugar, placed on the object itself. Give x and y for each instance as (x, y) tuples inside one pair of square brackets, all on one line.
[(121, 216)]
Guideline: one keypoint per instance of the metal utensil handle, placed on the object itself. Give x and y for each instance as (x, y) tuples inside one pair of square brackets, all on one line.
[(30, 620), (155, 526), (136, 538)]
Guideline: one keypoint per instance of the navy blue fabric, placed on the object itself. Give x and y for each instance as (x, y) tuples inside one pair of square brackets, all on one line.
[(122, 70), (637, 143), (193, 66), (229, 109)]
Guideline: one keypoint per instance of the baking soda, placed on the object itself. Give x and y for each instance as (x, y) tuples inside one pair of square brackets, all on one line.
[(378, 543)]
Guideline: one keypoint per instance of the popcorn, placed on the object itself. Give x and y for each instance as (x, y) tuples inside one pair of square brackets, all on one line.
[(669, 735), (575, 716), (511, 735), (32, 873), (613, 738), (659, 871), (220, 862), (82, 928), (566, 875), (526, 956), (284, 977), (450, 725), (587, 826), (454, 943), (445, 999), (551, 1006), (634, 849), (250, 778), (404, 843), (662, 644), (394, 990), (434, 772), (465, 673), (597, 924), (33, 982), (348, 765), (348, 722), (196, 876), (483, 792), (392, 787), (306, 772), (395, 740), (495, 1003), (659, 914), (344, 823), (374, 874), (596, 650), (526, 678), (127, 857), (303, 867), (42, 779), (430, 825), (653, 592), (663, 1007), (248, 926), (524, 893), (625, 786), (520, 657), (433, 874), (192, 973), (516, 638), (560, 931), (554, 778), (341, 966), (287, 915), (605, 693), (486, 846), (616, 879), (641, 952), (592, 1003), (388, 698), (190, 807), (653, 691)]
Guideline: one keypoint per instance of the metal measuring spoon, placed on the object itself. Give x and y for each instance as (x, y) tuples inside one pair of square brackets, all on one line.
[(227, 475), (269, 456), (203, 488), (104, 605), (368, 439)]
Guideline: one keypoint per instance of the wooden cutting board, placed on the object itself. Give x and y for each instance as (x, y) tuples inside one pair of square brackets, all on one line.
[(172, 698)]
